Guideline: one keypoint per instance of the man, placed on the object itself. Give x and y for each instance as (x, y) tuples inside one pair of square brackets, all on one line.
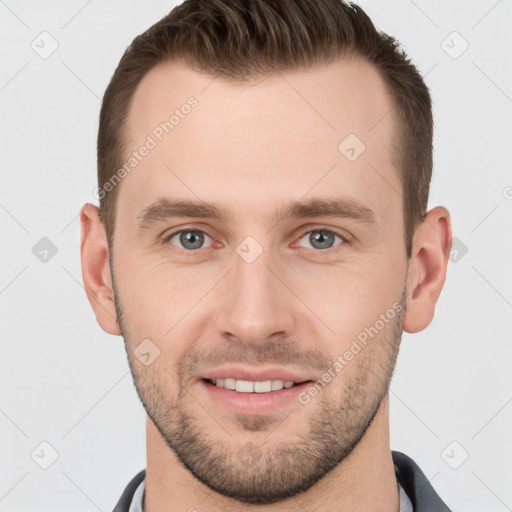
[(261, 244)]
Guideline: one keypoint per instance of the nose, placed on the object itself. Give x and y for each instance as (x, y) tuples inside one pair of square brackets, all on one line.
[(255, 302)]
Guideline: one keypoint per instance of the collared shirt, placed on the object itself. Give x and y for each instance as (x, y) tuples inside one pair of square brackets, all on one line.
[(416, 492), (138, 499)]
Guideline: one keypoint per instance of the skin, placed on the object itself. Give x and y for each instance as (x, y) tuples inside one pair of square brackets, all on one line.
[(295, 306)]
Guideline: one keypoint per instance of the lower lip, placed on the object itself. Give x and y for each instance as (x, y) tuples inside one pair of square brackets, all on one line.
[(254, 403)]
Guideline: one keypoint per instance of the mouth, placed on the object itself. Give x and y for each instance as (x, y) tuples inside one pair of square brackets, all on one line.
[(249, 386), (253, 397), (252, 390)]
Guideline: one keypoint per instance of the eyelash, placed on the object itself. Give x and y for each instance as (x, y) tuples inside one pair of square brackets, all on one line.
[(343, 237)]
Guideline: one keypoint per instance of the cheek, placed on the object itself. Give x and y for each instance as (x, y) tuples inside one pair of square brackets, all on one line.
[(157, 298), (160, 299), (350, 299)]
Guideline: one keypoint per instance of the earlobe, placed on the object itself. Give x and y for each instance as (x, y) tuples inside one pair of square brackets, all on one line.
[(96, 268), (427, 268)]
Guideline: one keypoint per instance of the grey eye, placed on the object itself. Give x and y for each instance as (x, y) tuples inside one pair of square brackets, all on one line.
[(189, 239), (321, 238)]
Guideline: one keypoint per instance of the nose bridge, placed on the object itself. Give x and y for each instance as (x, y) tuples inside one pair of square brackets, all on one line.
[(256, 304)]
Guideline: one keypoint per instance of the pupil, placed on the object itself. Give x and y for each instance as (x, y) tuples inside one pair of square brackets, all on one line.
[(321, 240), (191, 239)]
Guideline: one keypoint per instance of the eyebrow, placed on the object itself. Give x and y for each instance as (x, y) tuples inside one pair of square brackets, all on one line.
[(165, 209)]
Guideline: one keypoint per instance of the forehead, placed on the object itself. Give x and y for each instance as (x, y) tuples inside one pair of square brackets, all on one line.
[(321, 129)]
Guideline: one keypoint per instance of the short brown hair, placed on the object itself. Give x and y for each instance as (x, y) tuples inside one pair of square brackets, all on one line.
[(240, 40)]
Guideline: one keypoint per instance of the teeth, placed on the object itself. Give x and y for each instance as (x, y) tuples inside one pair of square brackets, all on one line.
[(249, 386), (263, 387), (245, 386), (228, 383)]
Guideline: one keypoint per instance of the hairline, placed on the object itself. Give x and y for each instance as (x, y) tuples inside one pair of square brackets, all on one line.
[(397, 136)]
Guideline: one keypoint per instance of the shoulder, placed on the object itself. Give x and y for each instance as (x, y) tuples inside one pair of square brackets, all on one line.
[(123, 505), (416, 485)]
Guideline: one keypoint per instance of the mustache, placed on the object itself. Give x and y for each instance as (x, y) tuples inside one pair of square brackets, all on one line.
[(275, 352)]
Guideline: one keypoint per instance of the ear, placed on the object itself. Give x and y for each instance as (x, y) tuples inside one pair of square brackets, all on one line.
[(96, 268), (427, 268)]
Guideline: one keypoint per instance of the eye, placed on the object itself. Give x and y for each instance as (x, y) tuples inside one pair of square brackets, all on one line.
[(190, 239), (321, 238)]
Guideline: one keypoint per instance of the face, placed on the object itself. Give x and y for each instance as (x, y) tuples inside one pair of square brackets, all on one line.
[(291, 266)]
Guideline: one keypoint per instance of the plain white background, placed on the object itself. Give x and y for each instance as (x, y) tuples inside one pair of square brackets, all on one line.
[(65, 382)]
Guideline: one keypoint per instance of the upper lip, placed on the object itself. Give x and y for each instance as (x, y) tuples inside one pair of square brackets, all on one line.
[(255, 374)]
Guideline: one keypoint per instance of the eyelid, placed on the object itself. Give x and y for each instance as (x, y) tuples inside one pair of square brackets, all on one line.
[(166, 238), (345, 237)]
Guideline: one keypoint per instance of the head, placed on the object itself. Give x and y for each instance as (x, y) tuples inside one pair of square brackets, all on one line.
[(263, 174), (242, 45)]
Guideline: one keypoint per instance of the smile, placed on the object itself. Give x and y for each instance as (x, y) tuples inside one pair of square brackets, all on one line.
[(249, 386)]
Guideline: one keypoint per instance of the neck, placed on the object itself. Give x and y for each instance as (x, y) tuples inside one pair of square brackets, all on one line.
[(365, 480)]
